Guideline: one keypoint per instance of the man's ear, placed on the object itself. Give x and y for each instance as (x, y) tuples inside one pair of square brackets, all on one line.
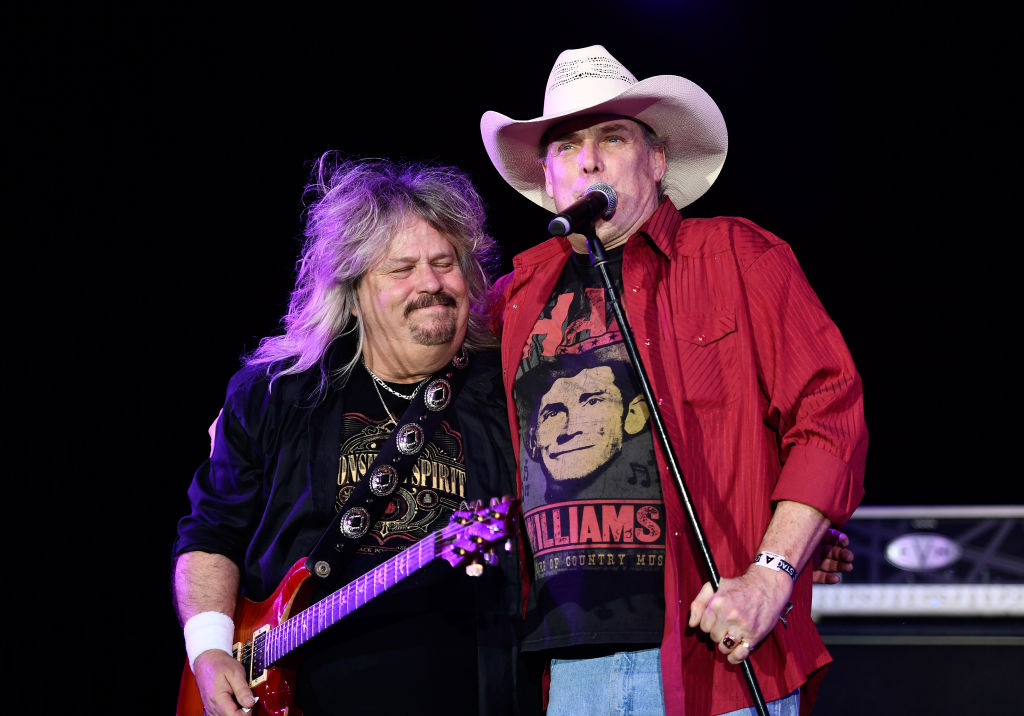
[(660, 163), (636, 416)]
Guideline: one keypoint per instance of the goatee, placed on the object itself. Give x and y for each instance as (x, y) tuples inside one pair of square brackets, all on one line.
[(438, 329)]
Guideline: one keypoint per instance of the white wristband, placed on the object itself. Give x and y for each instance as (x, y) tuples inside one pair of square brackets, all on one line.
[(776, 562), (205, 631)]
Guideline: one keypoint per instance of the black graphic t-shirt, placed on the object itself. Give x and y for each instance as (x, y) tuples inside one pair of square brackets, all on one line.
[(422, 504), (390, 654), (591, 495)]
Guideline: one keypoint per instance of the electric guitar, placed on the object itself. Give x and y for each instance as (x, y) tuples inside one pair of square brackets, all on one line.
[(268, 631)]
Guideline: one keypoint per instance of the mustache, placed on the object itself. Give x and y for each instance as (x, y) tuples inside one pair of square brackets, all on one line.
[(431, 299)]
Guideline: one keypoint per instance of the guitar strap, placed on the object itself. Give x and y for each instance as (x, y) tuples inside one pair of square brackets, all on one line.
[(390, 468)]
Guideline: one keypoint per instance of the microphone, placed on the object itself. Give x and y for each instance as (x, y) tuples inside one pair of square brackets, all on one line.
[(599, 200)]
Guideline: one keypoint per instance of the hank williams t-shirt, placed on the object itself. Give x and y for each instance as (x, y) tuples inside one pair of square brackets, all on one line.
[(592, 503)]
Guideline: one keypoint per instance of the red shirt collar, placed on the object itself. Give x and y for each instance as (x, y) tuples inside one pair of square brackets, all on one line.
[(662, 225)]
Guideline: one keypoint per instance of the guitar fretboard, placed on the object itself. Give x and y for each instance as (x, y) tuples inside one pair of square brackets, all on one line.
[(272, 645)]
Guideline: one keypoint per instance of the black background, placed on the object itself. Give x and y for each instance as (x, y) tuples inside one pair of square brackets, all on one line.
[(159, 155)]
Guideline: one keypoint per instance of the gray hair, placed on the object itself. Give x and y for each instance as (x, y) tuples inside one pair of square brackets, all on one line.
[(358, 207)]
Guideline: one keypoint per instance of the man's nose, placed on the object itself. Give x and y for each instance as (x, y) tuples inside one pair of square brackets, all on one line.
[(589, 158), (568, 432), (429, 280)]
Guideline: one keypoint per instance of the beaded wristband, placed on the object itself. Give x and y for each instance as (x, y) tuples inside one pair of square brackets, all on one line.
[(770, 560), (205, 631)]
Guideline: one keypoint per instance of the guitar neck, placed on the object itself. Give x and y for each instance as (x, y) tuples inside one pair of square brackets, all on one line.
[(277, 642), (471, 536)]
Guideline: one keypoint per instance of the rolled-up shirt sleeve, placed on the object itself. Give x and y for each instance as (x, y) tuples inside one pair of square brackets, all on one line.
[(816, 399)]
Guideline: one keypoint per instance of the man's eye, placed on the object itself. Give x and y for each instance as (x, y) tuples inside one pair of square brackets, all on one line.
[(547, 414)]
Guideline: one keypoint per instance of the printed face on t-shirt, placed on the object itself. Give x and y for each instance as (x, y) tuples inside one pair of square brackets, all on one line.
[(579, 423)]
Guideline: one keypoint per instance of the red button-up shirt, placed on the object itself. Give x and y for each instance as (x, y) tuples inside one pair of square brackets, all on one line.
[(761, 401)]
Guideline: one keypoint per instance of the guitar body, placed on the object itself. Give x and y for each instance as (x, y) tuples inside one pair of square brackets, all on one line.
[(275, 687)]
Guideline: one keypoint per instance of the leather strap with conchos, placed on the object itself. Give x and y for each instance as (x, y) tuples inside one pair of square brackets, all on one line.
[(392, 467)]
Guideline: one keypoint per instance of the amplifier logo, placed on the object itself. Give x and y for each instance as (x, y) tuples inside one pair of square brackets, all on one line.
[(922, 552)]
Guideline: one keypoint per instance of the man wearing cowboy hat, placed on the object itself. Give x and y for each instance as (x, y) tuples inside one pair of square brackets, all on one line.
[(759, 395)]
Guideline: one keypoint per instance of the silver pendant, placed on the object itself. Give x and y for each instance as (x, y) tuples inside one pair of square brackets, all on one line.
[(437, 394), (409, 439), (355, 522), (383, 481)]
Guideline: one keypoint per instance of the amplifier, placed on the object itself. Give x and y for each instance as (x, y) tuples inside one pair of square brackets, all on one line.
[(929, 620), (944, 561)]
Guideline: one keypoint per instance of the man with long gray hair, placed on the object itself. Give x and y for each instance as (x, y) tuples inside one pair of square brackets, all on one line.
[(385, 325)]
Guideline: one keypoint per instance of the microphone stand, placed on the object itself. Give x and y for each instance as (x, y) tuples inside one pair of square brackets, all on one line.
[(599, 259)]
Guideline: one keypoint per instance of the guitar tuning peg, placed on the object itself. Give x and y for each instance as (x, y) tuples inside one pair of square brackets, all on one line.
[(491, 558), (508, 545)]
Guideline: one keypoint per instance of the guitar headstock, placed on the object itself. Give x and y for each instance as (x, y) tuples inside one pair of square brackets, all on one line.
[(478, 531)]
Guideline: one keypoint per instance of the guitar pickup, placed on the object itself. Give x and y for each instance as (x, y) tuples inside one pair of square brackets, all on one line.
[(251, 655)]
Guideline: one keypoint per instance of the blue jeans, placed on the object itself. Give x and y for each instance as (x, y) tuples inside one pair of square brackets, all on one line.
[(627, 683)]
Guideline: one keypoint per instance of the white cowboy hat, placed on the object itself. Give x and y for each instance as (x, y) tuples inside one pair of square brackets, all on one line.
[(591, 81)]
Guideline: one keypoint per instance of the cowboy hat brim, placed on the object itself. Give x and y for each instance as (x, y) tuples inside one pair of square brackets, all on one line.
[(682, 115)]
